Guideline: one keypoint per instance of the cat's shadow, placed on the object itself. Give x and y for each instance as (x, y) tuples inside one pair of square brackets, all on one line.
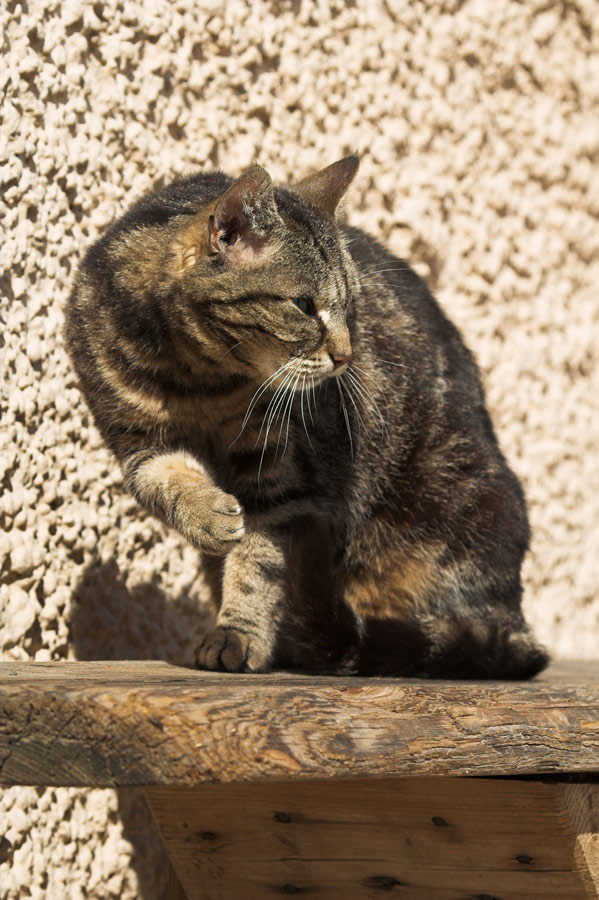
[(112, 621)]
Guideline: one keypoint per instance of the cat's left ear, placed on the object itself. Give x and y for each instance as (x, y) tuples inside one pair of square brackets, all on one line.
[(244, 213), (325, 189), (237, 227)]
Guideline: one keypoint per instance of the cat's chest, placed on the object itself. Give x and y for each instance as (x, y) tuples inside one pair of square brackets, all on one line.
[(212, 413), (246, 440)]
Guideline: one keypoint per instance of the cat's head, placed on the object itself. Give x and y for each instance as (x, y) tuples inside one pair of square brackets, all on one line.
[(265, 271)]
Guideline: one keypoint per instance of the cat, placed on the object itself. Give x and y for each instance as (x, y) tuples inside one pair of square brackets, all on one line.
[(290, 398)]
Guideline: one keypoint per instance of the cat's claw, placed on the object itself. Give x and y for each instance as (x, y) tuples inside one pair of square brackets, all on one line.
[(225, 649)]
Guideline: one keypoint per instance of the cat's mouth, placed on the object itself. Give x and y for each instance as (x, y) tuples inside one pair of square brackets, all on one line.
[(305, 373), (309, 373)]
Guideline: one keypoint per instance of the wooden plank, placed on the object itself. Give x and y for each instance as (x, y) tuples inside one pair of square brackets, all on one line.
[(418, 839), (144, 723), (582, 802), (174, 888)]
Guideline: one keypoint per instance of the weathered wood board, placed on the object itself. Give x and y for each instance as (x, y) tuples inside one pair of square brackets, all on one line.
[(149, 723), (413, 838)]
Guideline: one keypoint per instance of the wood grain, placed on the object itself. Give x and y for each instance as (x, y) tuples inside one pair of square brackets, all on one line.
[(582, 802), (149, 723), (416, 839), (174, 888)]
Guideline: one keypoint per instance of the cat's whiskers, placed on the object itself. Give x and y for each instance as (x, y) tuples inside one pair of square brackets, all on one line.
[(282, 401), (390, 362), (303, 390), (364, 276), (311, 391), (290, 408), (284, 407), (287, 404), (365, 394), (367, 400), (161, 435), (346, 416), (263, 387), (270, 412), (384, 359), (365, 282), (274, 405), (276, 408), (374, 381), (226, 353), (350, 390), (379, 269), (380, 265)]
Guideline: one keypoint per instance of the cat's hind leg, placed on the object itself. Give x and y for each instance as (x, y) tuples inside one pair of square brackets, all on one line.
[(492, 643), (319, 631), (430, 610)]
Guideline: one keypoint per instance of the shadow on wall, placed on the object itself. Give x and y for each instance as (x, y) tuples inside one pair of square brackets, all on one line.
[(111, 621)]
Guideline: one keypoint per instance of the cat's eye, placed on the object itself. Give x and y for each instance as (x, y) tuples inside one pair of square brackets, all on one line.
[(306, 304)]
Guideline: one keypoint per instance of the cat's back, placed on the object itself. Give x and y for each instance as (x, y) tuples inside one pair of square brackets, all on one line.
[(389, 283), (97, 290), (403, 319), (116, 330), (181, 197)]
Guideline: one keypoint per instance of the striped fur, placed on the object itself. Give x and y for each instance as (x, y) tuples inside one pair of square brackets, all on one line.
[(290, 398)]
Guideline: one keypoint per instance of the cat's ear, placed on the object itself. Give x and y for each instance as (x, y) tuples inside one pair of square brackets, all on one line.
[(245, 213), (237, 226), (325, 189)]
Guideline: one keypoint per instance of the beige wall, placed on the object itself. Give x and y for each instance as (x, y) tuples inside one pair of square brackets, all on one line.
[(478, 128)]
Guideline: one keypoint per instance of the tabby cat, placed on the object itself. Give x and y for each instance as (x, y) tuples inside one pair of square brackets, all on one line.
[(289, 396)]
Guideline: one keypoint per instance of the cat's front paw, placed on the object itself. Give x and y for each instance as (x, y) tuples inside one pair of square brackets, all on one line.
[(225, 649), (218, 524)]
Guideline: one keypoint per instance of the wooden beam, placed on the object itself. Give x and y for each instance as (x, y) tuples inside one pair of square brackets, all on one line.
[(582, 804), (416, 839), (174, 888), (145, 723)]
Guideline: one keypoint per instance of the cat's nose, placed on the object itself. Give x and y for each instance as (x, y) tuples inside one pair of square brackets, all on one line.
[(339, 346), (340, 359)]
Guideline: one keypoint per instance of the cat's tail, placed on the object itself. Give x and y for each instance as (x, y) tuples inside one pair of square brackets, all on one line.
[(447, 647)]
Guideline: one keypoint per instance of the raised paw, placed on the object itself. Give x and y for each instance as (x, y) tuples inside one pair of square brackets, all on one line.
[(219, 523), (226, 649)]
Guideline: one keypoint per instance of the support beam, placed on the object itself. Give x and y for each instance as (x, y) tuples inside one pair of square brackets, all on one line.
[(418, 839), (174, 889)]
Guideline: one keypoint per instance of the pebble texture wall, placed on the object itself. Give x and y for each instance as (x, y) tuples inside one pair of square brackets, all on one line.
[(477, 123)]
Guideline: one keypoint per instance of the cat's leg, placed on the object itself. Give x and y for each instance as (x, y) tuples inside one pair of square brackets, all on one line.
[(254, 590), (319, 631), (445, 645), (427, 611), (212, 570), (178, 489), (175, 487), (454, 633)]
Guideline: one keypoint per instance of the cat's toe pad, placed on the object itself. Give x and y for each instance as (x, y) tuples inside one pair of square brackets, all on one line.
[(225, 649)]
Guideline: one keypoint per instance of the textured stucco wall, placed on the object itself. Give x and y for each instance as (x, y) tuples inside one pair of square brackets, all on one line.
[(478, 128)]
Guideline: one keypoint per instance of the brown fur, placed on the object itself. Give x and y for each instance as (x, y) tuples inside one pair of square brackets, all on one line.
[(397, 583), (292, 400)]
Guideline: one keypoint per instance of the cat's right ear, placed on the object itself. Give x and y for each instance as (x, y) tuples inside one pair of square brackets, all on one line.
[(243, 215), (324, 189)]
